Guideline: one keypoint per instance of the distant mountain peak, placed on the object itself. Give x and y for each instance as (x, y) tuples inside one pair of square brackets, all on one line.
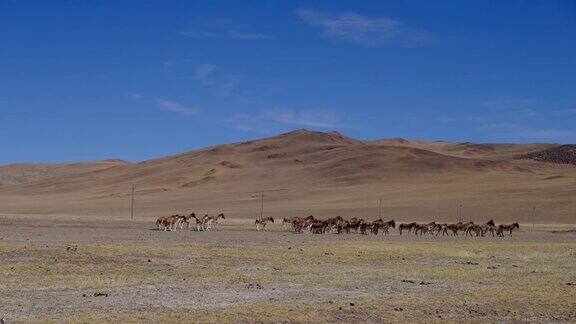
[(119, 161), (318, 136)]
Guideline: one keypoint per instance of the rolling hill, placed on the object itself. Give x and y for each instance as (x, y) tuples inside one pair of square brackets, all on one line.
[(20, 173), (304, 172)]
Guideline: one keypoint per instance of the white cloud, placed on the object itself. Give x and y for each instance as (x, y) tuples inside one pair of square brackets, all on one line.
[(546, 133), (134, 95), (518, 107), (225, 30), (278, 119), (228, 86), (176, 107), (203, 71), (509, 103), (511, 129), (222, 84), (306, 118), (230, 34), (168, 65), (240, 35), (460, 119), (365, 30), (514, 118)]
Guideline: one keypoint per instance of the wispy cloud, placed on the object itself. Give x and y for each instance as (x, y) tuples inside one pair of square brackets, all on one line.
[(460, 119), (231, 34), (242, 35), (509, 103), (546, 134), (510, 129), (225, 30), (368, 31), (176, 107), (270, 121), (167, 65), (134, 95), (305, 118), (565, 112), (164, 104), (514, 118), (520, 107), (224, 85), (204, 71)]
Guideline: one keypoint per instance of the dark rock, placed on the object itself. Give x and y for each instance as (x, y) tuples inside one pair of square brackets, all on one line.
[(563, 154)]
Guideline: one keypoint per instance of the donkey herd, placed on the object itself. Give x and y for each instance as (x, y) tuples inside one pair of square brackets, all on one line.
[(339, 225), (172, 222)]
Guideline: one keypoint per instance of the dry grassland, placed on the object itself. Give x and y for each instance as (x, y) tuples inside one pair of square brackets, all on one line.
[(234, 274)]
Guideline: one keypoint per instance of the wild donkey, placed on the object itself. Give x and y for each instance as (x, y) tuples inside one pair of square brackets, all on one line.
[(262, 222)]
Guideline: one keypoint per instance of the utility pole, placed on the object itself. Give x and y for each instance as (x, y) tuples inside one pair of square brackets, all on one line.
[(533, 216), (132, 204), (460, 212), (380, 208), (262, 205)]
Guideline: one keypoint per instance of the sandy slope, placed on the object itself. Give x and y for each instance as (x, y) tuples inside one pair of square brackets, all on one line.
[(27, 172), (305, 172)]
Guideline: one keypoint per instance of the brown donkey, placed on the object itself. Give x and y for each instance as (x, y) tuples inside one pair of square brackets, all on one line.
[(507, 227), (262, 222), (406, 226)]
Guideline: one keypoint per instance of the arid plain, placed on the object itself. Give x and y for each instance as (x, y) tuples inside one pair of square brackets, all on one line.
[(69, 250)]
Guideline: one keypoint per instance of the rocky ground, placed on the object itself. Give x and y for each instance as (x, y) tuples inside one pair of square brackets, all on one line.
[(563, 154)]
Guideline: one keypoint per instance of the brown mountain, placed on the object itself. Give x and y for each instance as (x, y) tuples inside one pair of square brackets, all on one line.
[(305, 172)]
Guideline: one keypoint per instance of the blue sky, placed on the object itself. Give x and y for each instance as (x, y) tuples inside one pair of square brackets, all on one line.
[(86, 80)]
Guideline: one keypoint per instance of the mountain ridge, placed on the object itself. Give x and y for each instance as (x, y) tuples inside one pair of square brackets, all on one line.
[(308, 169), (289, 145)]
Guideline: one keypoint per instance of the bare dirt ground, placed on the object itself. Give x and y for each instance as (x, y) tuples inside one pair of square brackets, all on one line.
[(84, 269)]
